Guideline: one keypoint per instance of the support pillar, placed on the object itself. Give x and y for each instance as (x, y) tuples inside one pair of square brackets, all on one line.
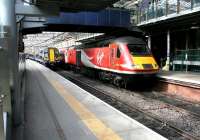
[(149, 42), (186, 49), (8, 24), (168, 51)]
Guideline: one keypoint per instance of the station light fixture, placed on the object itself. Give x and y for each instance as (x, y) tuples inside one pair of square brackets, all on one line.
[(194, 27)]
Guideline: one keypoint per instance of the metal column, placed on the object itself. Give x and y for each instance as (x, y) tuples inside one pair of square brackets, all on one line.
[(149, 42), (2, 134), (186, 49), (8, 24), (168, 51)]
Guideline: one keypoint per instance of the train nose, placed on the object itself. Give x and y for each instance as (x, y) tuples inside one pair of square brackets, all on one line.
[(145, 63)]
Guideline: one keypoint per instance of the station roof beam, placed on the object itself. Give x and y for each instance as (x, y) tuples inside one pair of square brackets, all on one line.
[(87, 21)]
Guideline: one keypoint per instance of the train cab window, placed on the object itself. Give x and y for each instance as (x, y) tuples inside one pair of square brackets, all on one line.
[(139, 49), (118, 52)]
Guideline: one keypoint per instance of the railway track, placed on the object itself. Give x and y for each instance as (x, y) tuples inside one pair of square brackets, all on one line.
[(146, 116)]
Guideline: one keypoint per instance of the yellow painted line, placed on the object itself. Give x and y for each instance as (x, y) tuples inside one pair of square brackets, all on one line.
[(96, 126)]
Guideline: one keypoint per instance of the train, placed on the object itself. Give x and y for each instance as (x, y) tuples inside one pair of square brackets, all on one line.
[(49, 57), (114, 59)]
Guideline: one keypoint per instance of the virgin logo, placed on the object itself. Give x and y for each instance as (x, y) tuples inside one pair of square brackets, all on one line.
[(100, 56)]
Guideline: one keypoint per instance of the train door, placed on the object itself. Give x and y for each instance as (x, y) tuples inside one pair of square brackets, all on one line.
[(78, 58), (66, 56), (114, 56)]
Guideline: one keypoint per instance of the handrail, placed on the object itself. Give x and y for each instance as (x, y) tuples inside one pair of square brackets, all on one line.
[(149, 9)]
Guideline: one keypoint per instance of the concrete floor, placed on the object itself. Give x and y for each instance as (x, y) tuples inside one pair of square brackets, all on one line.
[(45, 112), (51, 116)]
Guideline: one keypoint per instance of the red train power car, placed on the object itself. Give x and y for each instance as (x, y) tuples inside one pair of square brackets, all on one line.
[(114, 59)]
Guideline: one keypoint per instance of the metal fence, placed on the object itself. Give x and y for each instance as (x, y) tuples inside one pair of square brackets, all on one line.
[(151, 9), (187, 60)]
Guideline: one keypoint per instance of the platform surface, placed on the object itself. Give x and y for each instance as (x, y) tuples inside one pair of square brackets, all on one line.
[(187, 77), (57, 109)]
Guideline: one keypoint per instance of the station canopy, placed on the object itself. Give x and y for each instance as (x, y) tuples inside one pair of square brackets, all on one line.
[(36, 42)]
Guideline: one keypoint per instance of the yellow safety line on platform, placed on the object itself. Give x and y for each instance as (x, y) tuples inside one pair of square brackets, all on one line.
[(96, 126)]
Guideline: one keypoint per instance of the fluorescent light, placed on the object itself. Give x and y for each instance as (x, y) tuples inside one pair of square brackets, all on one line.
[(194, 27)]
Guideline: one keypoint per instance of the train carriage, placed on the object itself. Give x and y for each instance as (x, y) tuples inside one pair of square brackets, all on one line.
[(51, 56)]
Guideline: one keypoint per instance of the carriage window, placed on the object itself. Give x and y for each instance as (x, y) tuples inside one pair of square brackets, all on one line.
[(45, 54), (118, 53), (56, 53), (139, 49)]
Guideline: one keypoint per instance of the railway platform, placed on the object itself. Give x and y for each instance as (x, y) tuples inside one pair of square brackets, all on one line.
[(186, 78), (57, 109), (184, 85)]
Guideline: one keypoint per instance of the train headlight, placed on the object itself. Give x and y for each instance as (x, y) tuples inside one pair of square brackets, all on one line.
[(135, 66)]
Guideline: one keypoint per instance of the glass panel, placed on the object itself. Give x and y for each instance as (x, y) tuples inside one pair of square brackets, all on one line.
[(185, 5), (187, 55), (196, 3), (143, 16), (143, 7), (45, 54), (139, 49), (118, 53), (172, 6), (56, 53), (191, 55), (151, 10), (161, 8)]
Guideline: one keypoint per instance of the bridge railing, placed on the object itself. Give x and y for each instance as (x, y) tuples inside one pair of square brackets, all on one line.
[(155, 9)]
